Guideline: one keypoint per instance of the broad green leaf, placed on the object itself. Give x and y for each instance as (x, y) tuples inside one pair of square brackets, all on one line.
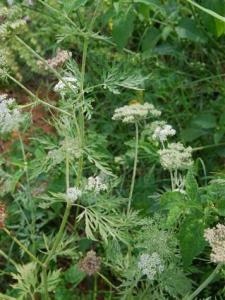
[(208, 11), (191, 238), (204, 121), (215, 26), (190, 134), (151, 38), (187, 29), (74, 275), (122, 28), (153, 4), (191, 185)]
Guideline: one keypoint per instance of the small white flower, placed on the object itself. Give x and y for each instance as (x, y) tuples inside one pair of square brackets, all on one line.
[(161, 131), (135, 112), (96, 184), (73, 193), (176, 157), (150, 265), (10, 116), (62, 88)]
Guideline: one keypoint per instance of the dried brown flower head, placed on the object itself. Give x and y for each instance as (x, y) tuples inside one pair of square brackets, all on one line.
[(58, 61), (216, 238), (91, 263), (2, 215)]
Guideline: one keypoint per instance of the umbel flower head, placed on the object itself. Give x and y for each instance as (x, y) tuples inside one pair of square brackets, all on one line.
[(216, 238), (176, 157), (135, 112), (73, 193), (58, 61), (96, 184), (90, 264), (10, 116), (161, 131), (61, 88), (150, 265)]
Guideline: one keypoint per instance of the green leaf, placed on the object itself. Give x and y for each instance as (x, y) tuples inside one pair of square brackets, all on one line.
[(191, 185), (187, 29), (153, 4), (73, 5), (204, 121), (151, 38), (122, 28), (74, 275), (208, 11), (191, 238), (173, 203)]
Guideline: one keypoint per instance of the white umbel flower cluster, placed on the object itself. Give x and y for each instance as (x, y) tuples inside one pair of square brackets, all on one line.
[(176, 157), (10, 116), (135, 112), (73, 193), (96, 184), (150, 265), (62, 88), (216, 238), (161, 131)]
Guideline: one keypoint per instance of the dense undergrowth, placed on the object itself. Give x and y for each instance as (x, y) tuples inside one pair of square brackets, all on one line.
[(112, 149)]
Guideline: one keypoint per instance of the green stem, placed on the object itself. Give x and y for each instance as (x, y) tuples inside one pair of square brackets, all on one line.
[(45, 282), (59, 234), (8, 258), (134, 167), (56, 73), (33, 225), (34, 258), (35, 97), (204, 283), (107, 281)]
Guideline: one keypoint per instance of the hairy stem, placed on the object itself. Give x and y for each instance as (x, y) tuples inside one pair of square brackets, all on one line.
[(134, 167), (204, 283)]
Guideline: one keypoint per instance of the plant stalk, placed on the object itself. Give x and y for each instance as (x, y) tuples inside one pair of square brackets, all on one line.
[(34, 258), (134, 167), (204, 283)]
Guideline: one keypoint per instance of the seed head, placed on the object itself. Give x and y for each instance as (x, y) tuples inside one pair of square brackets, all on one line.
[(2, 215), (91, 263)]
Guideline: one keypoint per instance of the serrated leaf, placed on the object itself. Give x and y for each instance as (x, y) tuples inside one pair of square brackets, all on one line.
[(191, 185), (74, 275), (187, 29), (122, 28), (191, 239)]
